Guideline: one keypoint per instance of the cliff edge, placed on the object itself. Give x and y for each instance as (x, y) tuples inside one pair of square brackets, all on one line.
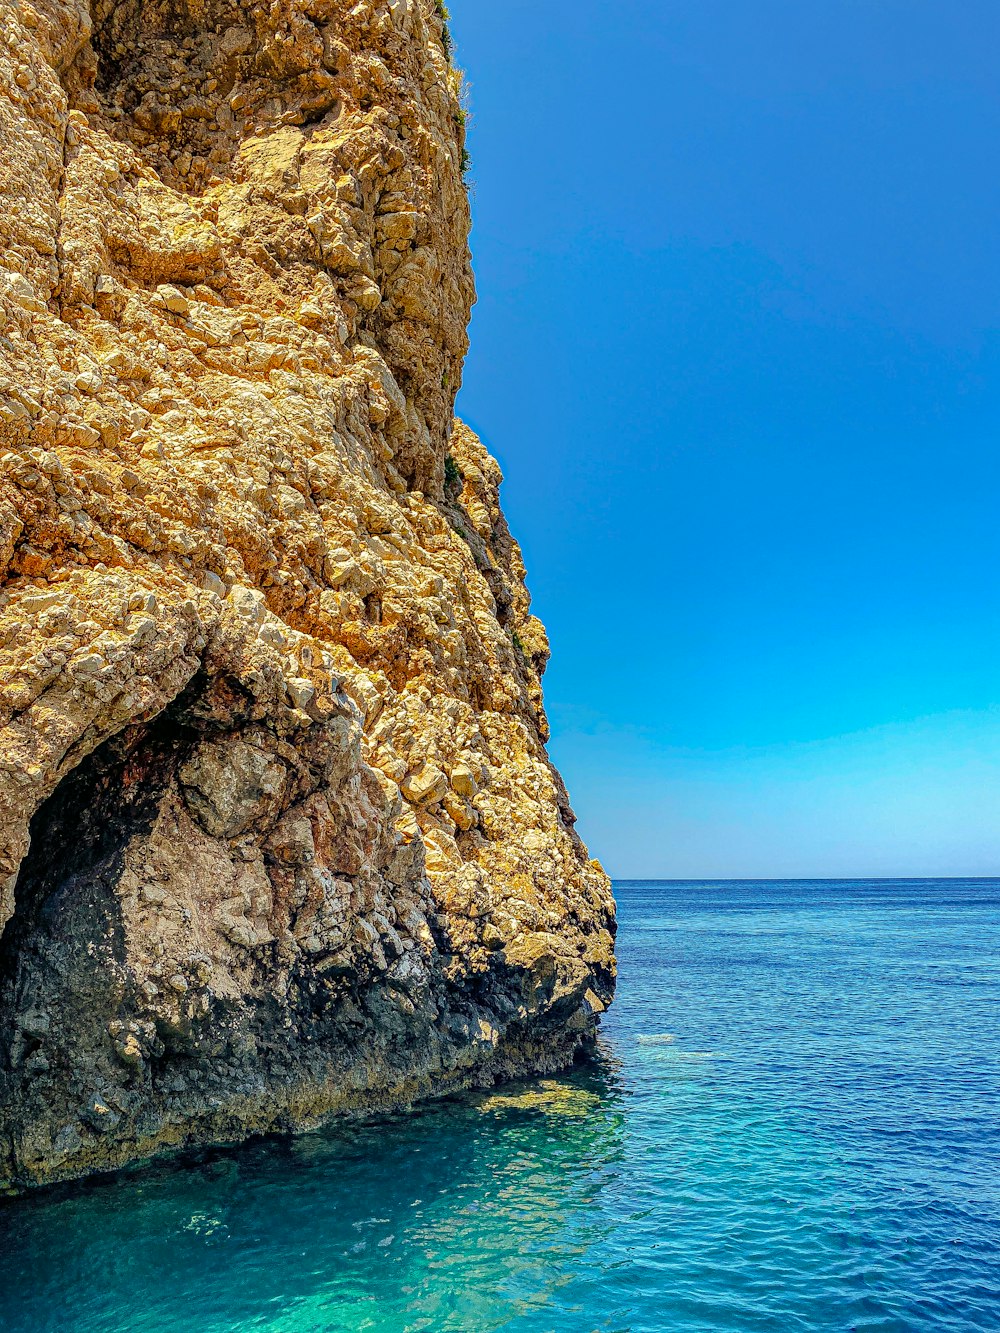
[(279, 838)]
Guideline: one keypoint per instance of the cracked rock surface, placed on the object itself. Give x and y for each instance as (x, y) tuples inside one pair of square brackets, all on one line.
[(279, 837)]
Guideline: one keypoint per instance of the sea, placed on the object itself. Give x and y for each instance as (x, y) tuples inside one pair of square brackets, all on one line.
[(792, 1123)]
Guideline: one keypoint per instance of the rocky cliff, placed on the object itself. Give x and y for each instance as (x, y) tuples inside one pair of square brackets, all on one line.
[(279, 838)]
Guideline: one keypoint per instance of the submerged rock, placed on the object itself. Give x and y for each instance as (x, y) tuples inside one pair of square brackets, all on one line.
[(279, 838)]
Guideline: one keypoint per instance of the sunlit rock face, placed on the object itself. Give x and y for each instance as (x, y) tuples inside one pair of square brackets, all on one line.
[(279, 837)]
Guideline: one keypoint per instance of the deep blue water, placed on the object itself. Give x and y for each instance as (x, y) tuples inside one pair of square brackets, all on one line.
[(794, 1124)]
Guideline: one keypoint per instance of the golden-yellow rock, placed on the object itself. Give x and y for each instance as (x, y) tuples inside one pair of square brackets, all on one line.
[(273, 788)]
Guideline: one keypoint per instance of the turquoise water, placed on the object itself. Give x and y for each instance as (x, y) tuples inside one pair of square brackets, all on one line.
[(793, 1124)]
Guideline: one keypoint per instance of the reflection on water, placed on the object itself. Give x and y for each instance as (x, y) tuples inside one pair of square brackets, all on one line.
[(793, 1123), (459, 1217)]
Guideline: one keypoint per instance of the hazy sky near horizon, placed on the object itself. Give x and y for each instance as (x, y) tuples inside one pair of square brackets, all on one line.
[(738, 350)]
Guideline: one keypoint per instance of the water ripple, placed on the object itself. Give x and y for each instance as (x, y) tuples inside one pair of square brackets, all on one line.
[(793, 1124)]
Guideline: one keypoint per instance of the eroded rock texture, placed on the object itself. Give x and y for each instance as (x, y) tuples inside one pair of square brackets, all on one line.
[(278, 834)]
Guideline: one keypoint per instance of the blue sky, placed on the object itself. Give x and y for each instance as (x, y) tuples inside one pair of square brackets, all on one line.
[(738, 350)]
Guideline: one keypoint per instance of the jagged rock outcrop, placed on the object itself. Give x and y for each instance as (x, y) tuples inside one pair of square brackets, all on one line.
[(278, 833)]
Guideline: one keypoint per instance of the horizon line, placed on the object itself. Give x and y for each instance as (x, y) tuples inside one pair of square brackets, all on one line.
[(804, 879)]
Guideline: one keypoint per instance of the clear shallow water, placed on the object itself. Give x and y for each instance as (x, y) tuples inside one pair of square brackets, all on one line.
[(794, 1124)]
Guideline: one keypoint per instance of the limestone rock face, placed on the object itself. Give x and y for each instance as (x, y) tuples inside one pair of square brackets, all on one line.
[(279, 837)]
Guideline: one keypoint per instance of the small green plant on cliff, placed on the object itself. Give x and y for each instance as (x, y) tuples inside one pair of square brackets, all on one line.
[(453, 479), (461, 90), (444, 16)]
